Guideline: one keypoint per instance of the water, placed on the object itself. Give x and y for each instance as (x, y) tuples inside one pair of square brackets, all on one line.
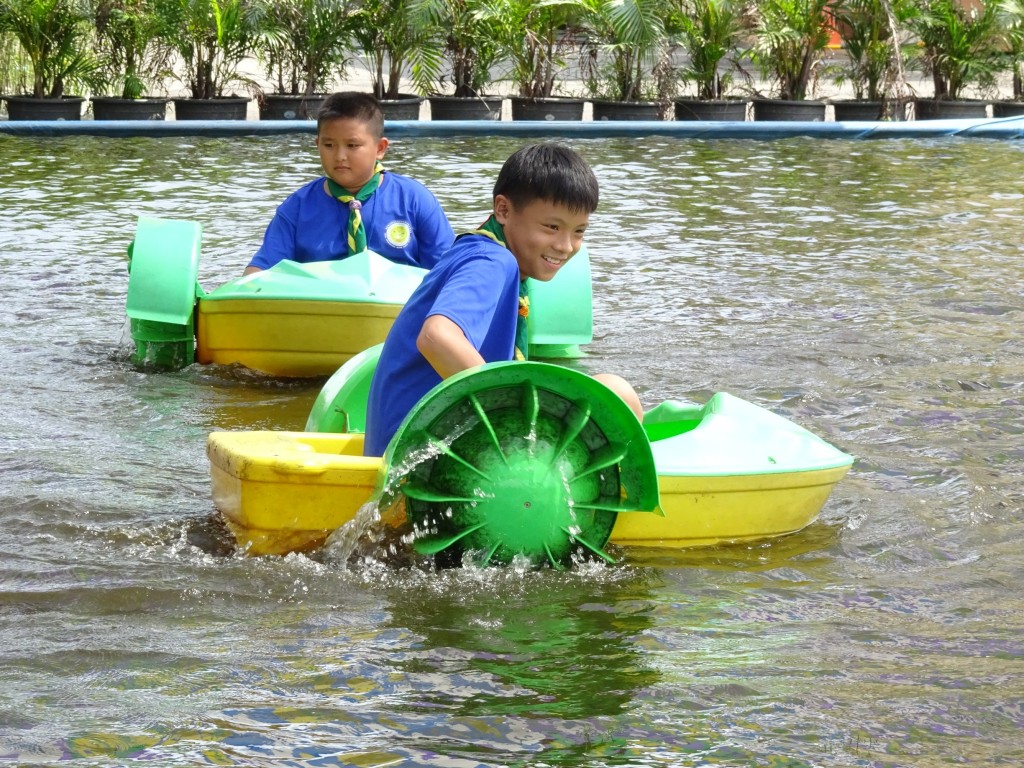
[(871, 291)]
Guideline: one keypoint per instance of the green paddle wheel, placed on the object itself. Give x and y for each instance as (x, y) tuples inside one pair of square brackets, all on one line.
[(518, 459), (163, 264)]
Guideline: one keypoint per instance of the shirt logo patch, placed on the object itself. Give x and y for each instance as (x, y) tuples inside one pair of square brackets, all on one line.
[(398, 233)]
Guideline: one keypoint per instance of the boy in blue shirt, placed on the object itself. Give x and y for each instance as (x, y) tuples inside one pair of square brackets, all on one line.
[(357, 205), (466, 312)]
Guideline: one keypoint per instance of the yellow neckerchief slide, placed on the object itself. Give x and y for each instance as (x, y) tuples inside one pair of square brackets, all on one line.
[(355, 229)]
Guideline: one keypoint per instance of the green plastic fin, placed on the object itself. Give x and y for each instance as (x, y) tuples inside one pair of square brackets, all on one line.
[(486, 559), (574, 422), (441, 447), (482, 415), (341, 404), (531, 405), (608, 506), (561, 315), (423, 493), (430, 546), (162, 284), (605, 456), (596, 550), (552, 560)]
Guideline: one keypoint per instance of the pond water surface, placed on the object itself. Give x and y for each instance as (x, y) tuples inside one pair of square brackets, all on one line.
[(871, 291)]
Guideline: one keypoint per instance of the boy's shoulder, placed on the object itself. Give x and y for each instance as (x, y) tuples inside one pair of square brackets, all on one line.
[(406, 182), (471, 246)]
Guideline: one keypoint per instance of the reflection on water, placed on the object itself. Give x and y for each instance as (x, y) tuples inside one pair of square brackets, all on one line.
[(868, 290)]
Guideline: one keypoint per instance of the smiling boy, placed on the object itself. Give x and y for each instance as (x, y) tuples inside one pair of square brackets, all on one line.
[(466, 312), (357, 204)]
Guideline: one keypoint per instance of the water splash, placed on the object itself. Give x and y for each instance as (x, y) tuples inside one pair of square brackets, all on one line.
[(378, 532)]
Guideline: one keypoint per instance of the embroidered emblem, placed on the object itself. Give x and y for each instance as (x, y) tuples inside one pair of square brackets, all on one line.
[(398, 233)]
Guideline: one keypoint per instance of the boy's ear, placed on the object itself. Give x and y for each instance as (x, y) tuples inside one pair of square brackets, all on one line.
[(502, 206), (382, 147)]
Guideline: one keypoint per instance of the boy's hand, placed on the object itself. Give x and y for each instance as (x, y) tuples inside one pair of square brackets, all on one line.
[(446, 347)]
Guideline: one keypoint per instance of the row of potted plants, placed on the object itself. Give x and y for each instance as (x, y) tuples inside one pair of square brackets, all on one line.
[(625, 51)]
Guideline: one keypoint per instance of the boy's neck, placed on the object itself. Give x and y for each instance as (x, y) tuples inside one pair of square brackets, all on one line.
[(492, 228), (335, 189)]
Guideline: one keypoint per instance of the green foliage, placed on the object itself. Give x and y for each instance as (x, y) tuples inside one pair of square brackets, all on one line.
[(391, 37), (54, 38), (624, 40), (867, 34), (1012, 15), (534, 37), (791, 38), (708, 30), (130, 46), (959, 46), (864, 29), (461, 44), (14, 68), (303, 43), (213, 38)]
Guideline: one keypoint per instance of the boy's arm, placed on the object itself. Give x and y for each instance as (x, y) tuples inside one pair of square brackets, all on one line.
[(435, 236), (446, 347), (279, 239), (278, 244)]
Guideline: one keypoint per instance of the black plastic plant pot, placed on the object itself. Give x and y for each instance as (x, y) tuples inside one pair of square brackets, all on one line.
[(785, 110), (547, 109), (518, 459), (626, 110), (226, 108), (31, 108), (1008, 109), (945, 109), (402, 107), (284, 106), (465, 108), (718, 109), (109, 108), (855, 109)]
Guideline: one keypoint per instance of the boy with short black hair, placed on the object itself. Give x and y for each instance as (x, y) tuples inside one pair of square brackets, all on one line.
[(357, 205), (471, 309)]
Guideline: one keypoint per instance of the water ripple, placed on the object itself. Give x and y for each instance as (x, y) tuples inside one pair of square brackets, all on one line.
[(867, 290)]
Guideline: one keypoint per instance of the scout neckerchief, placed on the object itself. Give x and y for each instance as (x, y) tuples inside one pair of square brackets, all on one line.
[(492, 229), (356, 230)]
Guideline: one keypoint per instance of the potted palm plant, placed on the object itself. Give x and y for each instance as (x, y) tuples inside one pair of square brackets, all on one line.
[(53, 36), (709, 31), (872, 35), (790, 39), (301, 46), (535, 36), (1012, 14), (212, 38), (392, 39), (461, 47), (132, 54), (959, 46), (624, 40)]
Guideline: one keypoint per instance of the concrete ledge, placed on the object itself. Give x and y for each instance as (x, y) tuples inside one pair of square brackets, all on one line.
[(1005, 128)]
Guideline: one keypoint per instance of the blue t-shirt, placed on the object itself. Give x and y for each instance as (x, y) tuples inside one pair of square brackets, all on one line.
[(476, 286), (404, 223)]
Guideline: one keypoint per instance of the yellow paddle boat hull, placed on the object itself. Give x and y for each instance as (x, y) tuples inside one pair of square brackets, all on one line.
[(288, 337), (282, 492)]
